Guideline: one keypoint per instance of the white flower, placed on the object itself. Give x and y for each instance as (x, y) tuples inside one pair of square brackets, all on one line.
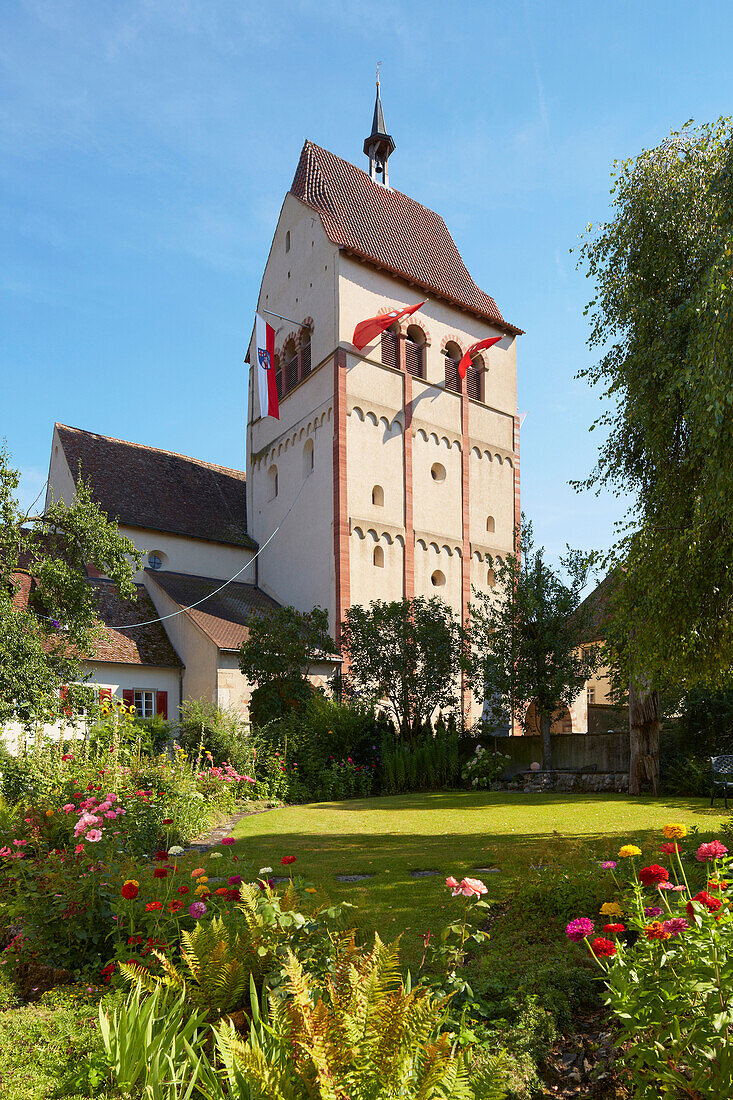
[(265, 871), (215, 855), (176, 850)]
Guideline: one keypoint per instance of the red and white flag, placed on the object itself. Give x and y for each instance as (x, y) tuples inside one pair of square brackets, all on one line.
[(265, 352), (465, 362), (366, 331)]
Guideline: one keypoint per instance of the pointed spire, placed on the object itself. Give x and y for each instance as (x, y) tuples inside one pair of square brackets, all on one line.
[(380, 145)]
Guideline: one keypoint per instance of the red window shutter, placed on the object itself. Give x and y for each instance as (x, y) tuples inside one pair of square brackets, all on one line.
[(161, 703), (64, 692), (128, 697), (105, 696)]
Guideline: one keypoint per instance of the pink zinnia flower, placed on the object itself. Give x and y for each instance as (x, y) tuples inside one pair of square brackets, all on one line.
[(94, 835), (198, 871), (451, 882), (228, 840), (69, 807), (20, 843), (197, 909), (578, 929), (675, 926), (608, 865), (713, 850), (79, 849), (5, 852)]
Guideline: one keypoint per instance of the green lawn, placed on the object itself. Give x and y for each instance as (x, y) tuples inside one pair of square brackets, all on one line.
[(454, 833)]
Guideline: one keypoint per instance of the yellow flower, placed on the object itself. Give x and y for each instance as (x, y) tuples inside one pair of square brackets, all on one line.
[(105, 711), (675, 831), (202, 891), (202, 879), (310, 889), (131, 881), (49, 813), (611, 909), (629, 850)]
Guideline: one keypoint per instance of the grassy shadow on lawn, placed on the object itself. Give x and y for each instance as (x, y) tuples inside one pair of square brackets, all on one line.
[(454, 833)]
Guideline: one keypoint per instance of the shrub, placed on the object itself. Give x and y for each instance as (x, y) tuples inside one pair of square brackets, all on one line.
[(223, 734), (279, 699), (484, 768), (429, 764)]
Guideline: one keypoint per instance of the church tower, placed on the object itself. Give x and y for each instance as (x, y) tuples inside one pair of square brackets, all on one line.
[(391, 476)]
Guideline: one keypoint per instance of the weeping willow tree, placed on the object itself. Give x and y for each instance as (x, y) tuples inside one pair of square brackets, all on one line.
[(661, 324)]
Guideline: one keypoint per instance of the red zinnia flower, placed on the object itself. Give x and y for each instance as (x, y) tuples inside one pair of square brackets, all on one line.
[(233, 895), (222, 890), (129, 890), (175, 906), (613, 929), (704, 898), (656, 931), (603, 947), (153, 906), (163, 856), (182, 889), (135, 941), (167, 820), (650, 876), (160, 872), (287, 859), (669, 848)]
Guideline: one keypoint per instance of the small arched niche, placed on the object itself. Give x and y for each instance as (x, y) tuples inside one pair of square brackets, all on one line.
[(437, 471), (308, 458), (490, 578), (378, 496), (437, 579), (490, 524), (272, 483), (378, 557)]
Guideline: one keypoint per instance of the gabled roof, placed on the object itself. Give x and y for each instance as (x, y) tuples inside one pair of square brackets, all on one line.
[(389, 229), (141, 645), (160, 490), (223, 617)]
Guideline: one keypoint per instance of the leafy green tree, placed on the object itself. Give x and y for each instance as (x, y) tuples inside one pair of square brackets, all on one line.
[(43, 644), (661, 323), (406, 652), (526, 638), (283, 643)]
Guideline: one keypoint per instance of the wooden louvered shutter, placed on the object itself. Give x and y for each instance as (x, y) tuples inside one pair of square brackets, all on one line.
[(305, 360), (389, 350), (105, 696), (161, 703), (473, 383), (414, 358), (291, 373), (452, 377)]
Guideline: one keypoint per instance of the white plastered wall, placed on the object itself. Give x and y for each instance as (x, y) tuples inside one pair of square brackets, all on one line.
[(298, 565), (117, 677), (196, 649)]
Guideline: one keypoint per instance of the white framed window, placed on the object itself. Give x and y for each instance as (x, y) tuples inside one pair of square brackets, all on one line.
[(591, 696), (145, 704)]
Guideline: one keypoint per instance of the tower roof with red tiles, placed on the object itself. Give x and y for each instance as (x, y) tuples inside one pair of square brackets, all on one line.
[(390, 230)]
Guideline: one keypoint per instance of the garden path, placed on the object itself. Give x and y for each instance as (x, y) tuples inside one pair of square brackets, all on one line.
[(216, 834)]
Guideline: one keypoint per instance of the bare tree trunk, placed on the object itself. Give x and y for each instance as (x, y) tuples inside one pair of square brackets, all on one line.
[(644, 728), (546, 743)]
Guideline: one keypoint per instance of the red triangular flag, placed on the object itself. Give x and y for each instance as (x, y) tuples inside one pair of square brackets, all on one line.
[(465, 362), (365, 331)]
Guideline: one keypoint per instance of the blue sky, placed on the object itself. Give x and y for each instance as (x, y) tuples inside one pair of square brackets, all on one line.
[(146, 147)]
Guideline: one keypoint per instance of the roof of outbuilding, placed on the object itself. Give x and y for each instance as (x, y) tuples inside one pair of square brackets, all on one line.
[(160, 490), (224, 616), (140, 645), (389, 229)]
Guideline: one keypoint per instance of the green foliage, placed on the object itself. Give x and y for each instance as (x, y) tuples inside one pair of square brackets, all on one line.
[(526, 638), (406, 652), (278, 699), (152, 1043), (282, 643), (364, 1033), (223, 734), (42, 646), (661, 323), (429, 764)]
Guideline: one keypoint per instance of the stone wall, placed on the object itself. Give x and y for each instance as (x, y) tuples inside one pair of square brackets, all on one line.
[(609, 752), (535, 782)]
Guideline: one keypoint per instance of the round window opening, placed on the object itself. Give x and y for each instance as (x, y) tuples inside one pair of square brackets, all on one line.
[(437, 472), (438, 579), (154, 561)]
